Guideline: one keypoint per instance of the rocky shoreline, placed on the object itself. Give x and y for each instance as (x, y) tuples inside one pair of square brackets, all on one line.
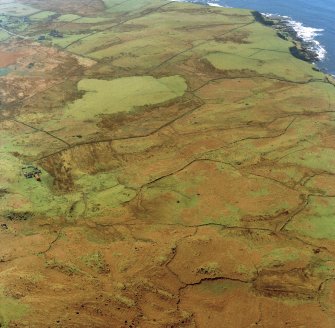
[(301, 49)]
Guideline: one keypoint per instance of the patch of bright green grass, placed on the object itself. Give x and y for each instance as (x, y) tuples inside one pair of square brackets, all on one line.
[(28, 195), (97, 182), (10, 309), (217, 287), (68, 18), (316, 158), (280, 256), (317, 220), (283, 65), (260, 192), (42, 15), (231, 218), (92, 20), (130, 5), (122, 95), (101, 202), (66, 39), (94, 41), (3, 35), (324, 268), (103, 192), (264, 53)]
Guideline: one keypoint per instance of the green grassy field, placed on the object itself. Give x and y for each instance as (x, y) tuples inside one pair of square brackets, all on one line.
[(108, 97), (42, 15)]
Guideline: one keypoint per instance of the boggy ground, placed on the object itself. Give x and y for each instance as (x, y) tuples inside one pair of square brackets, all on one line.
[(187, 170)]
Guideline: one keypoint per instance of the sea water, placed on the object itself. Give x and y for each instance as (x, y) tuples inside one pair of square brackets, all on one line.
[(314, 21)]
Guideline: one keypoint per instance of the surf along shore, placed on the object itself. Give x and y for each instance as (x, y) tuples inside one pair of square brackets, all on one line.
[(302, 48)]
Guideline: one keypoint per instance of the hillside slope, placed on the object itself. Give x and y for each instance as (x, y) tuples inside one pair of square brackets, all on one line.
[(187, 166)]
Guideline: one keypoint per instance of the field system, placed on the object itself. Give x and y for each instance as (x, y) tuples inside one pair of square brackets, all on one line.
[(187, 169)]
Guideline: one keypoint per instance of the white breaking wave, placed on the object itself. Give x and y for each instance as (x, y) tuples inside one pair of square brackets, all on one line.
[(309, 34), (305, 33), (213, 3)]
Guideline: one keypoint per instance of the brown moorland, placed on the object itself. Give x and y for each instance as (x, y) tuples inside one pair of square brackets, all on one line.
[(187, 166)]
